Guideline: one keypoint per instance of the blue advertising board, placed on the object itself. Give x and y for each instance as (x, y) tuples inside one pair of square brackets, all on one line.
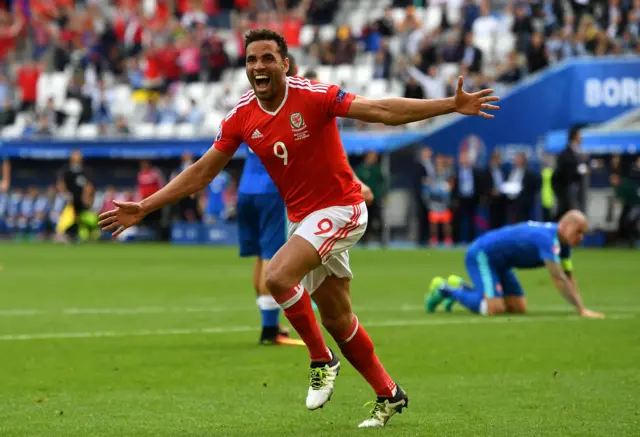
[(581, 91)]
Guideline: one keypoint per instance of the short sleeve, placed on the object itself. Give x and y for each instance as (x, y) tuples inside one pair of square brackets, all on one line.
[(549, 249), (338, 101), (229, 136)]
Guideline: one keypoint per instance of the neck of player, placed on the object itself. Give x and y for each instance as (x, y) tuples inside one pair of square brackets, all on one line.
[(274, 103)]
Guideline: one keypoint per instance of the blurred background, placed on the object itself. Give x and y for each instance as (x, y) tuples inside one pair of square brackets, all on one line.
[(127, 93)]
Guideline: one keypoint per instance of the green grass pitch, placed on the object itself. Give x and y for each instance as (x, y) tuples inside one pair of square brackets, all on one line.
[(108, 340)]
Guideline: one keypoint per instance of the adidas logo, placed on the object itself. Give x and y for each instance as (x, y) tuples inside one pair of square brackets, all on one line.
[(256, 135)]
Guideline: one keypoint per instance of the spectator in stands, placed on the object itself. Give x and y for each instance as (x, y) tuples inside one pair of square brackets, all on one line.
[(189, 59), (54, 117), (450, 51), (428, 53), (497, 201), (8, 114), (101, 102), (152, 114), (121, 127), (27, 80), (413, 90), (471, 56), (522, 27), (193, 115), (386, 25), (382, 65), (466, 195), (470, 12), (167, 110), (537, 57), (344, 46), (510, 71), (370, 172)]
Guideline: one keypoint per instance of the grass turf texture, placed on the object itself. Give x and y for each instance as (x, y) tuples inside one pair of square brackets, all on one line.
[(166, 345)]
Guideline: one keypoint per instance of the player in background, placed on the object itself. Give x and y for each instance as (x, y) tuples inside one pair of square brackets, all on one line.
[(438, 192), (262, 231), (300, 147), (491, 258), (214, 208)]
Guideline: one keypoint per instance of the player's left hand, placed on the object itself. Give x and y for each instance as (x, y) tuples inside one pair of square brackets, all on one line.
[(367, 194), (474, 103), (591, 314)]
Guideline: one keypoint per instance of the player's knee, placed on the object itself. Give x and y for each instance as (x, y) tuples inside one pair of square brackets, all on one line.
[(516, 306), (338, 324), (495, 306), (276, 279)]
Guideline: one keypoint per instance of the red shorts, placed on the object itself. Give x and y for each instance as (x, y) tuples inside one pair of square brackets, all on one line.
[(441, 217)]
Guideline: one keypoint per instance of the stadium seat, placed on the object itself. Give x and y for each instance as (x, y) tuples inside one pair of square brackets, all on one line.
[(165, 130), (448, 69), (306, 35), (12, 131), (145, 130), (325, 74), (363, 74), (377, 88), (343, 73), (185, 130), (87, 131), (327, 33), (432, 18), (69, 128), (72, 107)]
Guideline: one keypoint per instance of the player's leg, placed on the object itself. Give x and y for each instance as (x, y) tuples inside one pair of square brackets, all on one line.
[(483, 297), (272, 236), (330, 285), (514, 298), (249, 241), (446, 227), (433, 228)]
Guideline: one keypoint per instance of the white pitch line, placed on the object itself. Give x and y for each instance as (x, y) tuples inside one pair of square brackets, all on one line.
[(233, 329), (124, 311)]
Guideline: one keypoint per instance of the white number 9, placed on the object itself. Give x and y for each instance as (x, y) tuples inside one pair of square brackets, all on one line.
[(280, 150)]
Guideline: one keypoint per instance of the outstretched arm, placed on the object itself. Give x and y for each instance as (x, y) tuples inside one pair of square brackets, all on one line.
[(193, 179), (568, 289), (397, 111)]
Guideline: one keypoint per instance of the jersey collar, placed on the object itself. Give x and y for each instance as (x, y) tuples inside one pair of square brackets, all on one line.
[(284, 100)]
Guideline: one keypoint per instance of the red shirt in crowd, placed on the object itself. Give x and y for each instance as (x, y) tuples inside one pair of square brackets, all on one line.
[(150, 180)]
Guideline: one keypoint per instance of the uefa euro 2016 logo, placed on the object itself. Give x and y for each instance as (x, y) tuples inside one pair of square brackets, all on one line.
[(473, 147)]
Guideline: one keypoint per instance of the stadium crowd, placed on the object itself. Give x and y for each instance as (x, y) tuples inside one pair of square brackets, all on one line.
[(109, 67)]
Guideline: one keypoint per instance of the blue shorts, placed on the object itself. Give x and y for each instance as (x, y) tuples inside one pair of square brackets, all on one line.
[(494, 282), (262, 225)]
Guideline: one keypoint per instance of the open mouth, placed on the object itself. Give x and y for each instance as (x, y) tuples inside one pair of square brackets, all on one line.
[(262, 81)]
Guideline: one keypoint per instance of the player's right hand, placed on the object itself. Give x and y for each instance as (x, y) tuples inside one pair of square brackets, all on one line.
[(124, 216), (591, 314), (367, 193)]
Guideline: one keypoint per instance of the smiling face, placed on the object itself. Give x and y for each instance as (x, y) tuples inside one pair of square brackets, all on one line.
[(266, 69)]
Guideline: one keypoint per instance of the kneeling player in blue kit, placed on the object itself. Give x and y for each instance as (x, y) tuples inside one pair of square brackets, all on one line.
[(491, 258)]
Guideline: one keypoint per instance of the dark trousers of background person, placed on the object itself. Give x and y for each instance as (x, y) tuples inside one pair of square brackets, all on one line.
[(566, 200), (154, 222), (520, 210), (464, 219), (79, 207), (547, 214), (422, 213), (497, 211), (376, 224)]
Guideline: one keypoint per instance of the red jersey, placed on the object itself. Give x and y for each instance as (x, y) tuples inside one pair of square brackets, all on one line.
[(299, 145), (149, 182)]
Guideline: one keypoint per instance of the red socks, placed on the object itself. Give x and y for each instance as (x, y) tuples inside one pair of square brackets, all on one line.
[(297, 307), (357, 347)]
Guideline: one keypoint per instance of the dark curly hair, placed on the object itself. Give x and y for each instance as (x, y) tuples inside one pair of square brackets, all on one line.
[(267, 35)]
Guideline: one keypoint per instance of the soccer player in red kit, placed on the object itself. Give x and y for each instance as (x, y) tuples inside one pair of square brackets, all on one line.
[(290, 123)]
